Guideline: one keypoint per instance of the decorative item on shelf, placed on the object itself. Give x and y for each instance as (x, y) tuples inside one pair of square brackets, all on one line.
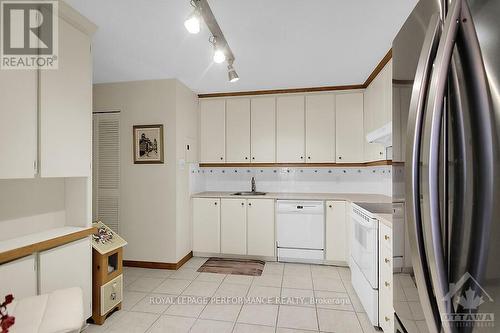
[(107, 268), (148, 144)]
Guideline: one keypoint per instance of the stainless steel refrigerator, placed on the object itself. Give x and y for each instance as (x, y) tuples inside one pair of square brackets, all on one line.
[(446, 125)]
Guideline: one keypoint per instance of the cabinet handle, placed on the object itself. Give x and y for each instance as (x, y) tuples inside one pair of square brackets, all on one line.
[(243, 204), (215, 203), (387, 318), (221, 158), (308, 157), (386, 260), (329, 206), (253, 158), (246, 158), (340, 157), (386, 237), (249, 203), (387, 284), (301, 157)]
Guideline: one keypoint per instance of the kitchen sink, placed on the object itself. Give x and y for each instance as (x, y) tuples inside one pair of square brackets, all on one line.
[(249, 193)]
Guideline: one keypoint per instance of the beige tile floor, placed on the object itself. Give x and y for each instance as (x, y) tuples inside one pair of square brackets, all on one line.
[(287, 298)]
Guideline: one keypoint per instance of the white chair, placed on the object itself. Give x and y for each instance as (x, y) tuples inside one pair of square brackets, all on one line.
[(58, 312)]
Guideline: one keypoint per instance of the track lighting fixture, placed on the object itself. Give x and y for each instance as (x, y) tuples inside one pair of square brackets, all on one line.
[(219, 53), (231, 72), (193, 22), (222, 51)]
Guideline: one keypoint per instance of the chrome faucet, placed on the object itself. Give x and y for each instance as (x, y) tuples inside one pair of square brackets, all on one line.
[(254, 188)]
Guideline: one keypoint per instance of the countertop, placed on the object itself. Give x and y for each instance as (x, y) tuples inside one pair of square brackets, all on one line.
[(352, 197)]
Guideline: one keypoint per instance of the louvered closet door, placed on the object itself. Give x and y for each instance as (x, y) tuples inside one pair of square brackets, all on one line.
[(106, 169)]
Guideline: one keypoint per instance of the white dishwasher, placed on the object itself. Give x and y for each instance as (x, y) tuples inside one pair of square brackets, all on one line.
[(300, 230)]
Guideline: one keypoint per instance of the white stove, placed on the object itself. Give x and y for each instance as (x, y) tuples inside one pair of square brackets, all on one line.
[(364, 254)]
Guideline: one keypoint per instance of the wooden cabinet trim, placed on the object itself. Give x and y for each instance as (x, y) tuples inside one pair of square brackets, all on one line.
[(44, 245), (295, 165)]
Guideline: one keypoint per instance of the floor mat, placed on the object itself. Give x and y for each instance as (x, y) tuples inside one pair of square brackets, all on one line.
[(233, 266)]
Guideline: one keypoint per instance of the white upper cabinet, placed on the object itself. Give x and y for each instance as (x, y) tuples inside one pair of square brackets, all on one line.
[(320, 128), (213, 131), (238, 130), (388, 92), (66, 108), (290, 129), (18, 123), (378, 110), (349, 127), (263, 130)]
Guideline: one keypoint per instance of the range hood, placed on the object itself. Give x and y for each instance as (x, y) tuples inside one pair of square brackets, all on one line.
[(382, 135)]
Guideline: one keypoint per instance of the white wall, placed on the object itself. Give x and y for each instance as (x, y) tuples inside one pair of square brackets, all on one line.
[(187, 134), (149, 202), (31, 205), (372, 180)]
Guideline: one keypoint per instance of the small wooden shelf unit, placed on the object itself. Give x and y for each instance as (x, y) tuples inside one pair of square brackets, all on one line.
[(107, 276)]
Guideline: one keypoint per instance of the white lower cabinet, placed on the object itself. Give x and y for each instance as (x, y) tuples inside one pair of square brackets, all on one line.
[(18, 278), (386, 309), (336, 231), (260, 227), (68, 266), (206, 225), (234, 226), (233, 220)]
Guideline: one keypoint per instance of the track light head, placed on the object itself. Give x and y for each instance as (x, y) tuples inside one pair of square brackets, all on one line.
[(231, 72), (193, 22), (219, 56)]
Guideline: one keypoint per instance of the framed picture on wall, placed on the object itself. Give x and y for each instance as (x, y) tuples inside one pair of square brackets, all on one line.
[(148, 144)]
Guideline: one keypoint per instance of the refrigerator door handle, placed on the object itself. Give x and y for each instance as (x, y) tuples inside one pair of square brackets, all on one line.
[(484, 141), (431, 155), (414, 135)]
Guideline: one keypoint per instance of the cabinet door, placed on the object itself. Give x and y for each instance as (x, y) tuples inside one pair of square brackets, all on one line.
[(18, 278), (206, 225), (238, 130), (320, 128), (18, 123), (260, 227), (66, 108), (372, 119), (349, 127), (263, 128), (213, 131), (336, 231), (387, 92), (68, 266), (233, 229), (290, 129)]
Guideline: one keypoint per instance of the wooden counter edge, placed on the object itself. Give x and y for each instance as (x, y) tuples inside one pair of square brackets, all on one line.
[(27, 250)]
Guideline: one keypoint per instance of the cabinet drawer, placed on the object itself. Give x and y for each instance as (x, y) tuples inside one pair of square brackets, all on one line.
[(385, 236), (386, 318), (111, 294)]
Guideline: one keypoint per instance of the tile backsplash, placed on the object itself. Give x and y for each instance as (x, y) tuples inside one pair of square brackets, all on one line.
[(373, 180)]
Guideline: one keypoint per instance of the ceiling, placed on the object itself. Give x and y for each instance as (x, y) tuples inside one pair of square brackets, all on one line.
[(277, 43)]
